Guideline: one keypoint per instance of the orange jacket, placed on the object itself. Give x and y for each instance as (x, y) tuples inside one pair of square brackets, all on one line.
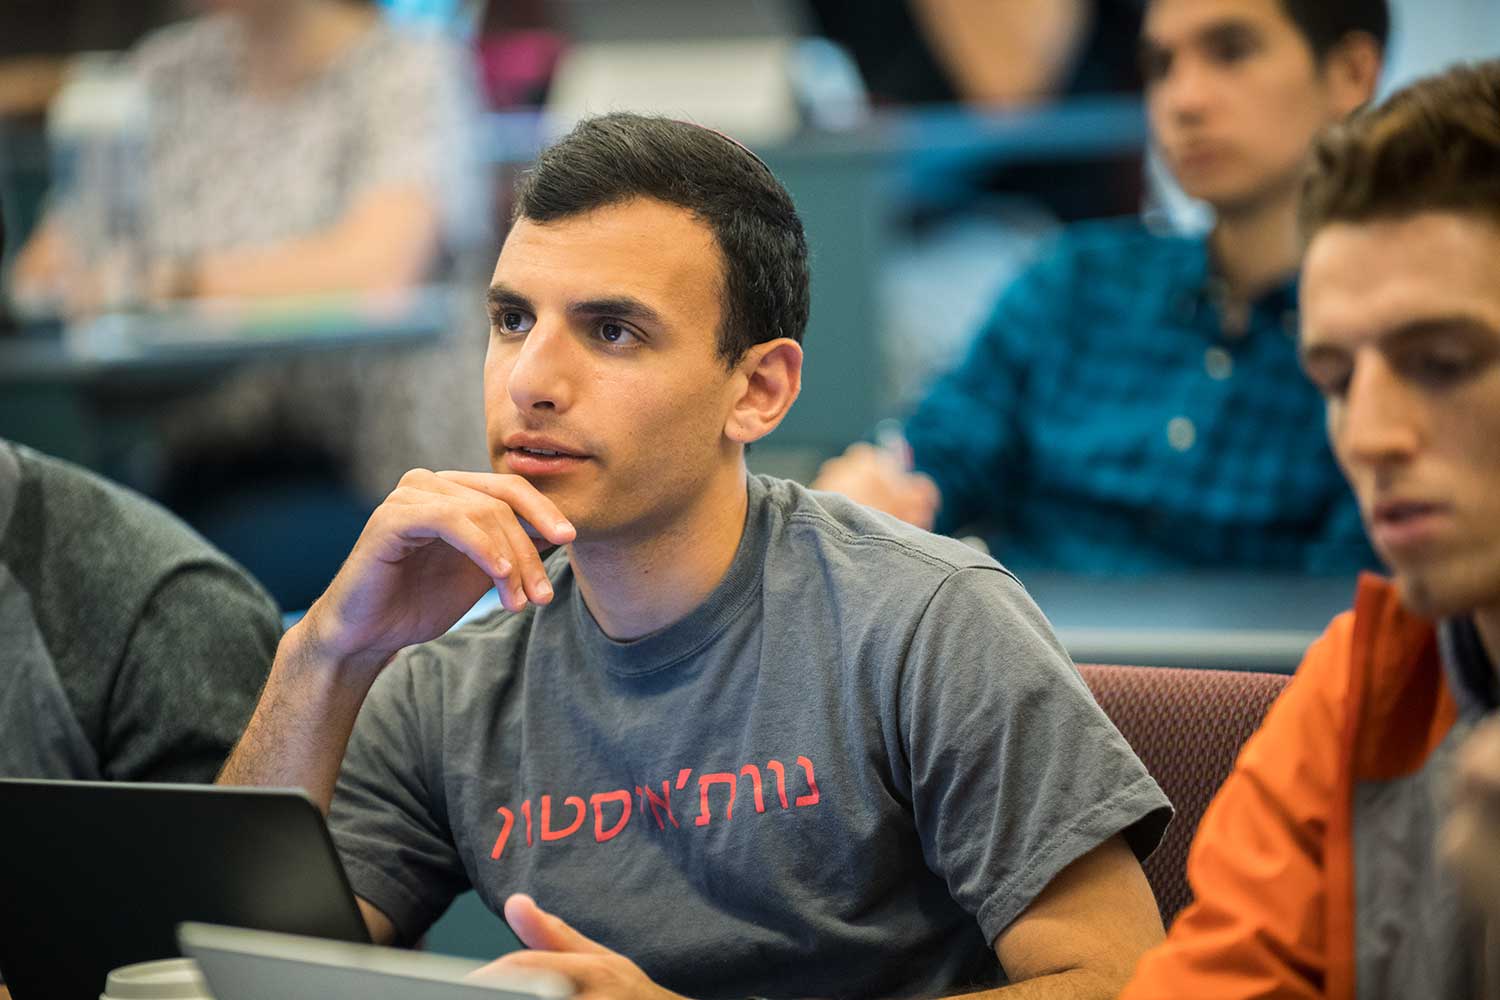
[(1272, 866)]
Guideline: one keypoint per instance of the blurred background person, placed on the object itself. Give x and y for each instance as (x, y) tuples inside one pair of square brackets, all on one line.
[(1134, 402), (294, 148), (1316, 869), (962, 226), (131, 650)]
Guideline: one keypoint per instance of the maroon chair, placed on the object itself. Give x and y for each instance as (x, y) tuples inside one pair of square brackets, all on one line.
[(1187, 726)]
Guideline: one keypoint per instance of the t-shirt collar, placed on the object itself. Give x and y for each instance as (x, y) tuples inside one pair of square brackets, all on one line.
[(682, 639)]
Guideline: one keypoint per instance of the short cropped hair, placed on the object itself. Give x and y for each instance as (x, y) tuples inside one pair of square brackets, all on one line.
[(613, 158), (1432, 146), (1326, 23)]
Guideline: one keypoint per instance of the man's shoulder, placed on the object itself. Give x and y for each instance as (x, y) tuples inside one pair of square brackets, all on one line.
[(863, 547), (88, 518)]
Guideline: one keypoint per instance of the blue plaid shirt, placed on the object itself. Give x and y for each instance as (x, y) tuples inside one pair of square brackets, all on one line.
[(1104, 422)]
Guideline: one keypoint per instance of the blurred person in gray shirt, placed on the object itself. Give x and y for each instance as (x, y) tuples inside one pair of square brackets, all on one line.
[(129, 649)]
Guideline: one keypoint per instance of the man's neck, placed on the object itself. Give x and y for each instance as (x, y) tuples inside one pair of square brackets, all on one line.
[(1256, 247), (635, 587)]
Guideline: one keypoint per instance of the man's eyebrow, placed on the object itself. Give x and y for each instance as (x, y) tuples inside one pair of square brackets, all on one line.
[(1313, 353), (499, 296), (1406, 333), (627, 307), (1228, 29), (1435, 326), (620, 307)]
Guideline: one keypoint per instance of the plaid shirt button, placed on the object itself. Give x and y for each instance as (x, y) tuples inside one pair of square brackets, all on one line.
[(1181, 434), (1218, 363)]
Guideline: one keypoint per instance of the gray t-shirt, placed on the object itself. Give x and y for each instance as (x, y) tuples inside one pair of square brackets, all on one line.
[(844, 774), (130, 650)]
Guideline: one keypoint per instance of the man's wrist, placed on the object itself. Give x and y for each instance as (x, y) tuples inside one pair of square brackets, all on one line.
[(305, 646)]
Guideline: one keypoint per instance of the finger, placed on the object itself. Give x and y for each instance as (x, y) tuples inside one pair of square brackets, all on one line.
[(423, 524), (1472, 853), (541, 930), (519, 565), (927, 489), (516, 551), (571, 969), (582, 969), (526, 500), (491, 514), (531, 573), (1478, 765)]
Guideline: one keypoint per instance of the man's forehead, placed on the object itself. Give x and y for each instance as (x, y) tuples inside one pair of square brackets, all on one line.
[(1375, 279), (644, 248), (1175, 22)]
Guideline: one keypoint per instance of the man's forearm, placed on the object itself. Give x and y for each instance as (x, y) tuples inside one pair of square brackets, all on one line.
[(297, 736)]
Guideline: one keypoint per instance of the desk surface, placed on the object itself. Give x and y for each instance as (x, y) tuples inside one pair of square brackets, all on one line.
[(217, 334), (1218, 620)]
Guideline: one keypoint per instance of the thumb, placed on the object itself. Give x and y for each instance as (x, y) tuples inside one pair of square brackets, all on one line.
[(542, 931)]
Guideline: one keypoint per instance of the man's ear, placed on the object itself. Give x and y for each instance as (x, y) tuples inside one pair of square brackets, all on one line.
[(1352, 71), (766, 383)]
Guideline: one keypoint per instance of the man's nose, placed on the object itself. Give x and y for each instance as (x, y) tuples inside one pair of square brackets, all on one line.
[(1187, 90), (1381, 421), (541, 376)]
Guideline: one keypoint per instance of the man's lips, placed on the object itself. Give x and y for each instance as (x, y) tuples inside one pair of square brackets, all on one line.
[(1405, 524), (541, 455), (545, 445)]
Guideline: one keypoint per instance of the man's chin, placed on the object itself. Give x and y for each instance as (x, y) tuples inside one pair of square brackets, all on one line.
[(1439, 592)]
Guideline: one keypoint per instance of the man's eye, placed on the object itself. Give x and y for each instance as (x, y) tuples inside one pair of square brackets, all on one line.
[(1439, 368), (1154, 66), (1332, 380), (513, 321), (615, 333), (1231, 50), (1332, 385)]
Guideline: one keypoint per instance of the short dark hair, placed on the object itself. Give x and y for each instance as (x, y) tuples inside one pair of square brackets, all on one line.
[(1326, 23), (1433, 146), (616, 157)]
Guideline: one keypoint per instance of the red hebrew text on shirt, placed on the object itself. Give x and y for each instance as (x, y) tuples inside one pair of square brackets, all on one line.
[(717, 794)]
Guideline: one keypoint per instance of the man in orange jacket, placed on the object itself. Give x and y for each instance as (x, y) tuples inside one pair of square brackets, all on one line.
[(1316, 869)]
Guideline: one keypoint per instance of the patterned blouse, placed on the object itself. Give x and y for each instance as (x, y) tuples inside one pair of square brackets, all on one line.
[(235, 169)]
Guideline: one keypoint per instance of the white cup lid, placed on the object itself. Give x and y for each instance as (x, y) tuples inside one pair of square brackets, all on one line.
[(167, 979)]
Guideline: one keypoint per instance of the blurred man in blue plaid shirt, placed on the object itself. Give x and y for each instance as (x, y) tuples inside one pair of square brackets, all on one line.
[(1134, 403)]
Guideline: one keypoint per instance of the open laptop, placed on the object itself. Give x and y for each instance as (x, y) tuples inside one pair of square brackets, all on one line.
[(95, 875), (259, 965)]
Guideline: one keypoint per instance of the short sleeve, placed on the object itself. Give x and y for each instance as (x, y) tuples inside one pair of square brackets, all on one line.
[(192, 672), (1015, 770), (420, 127), (965, 432), (388, 818)]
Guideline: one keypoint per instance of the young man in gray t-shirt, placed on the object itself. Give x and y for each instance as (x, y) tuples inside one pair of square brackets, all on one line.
[(737, 738)]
